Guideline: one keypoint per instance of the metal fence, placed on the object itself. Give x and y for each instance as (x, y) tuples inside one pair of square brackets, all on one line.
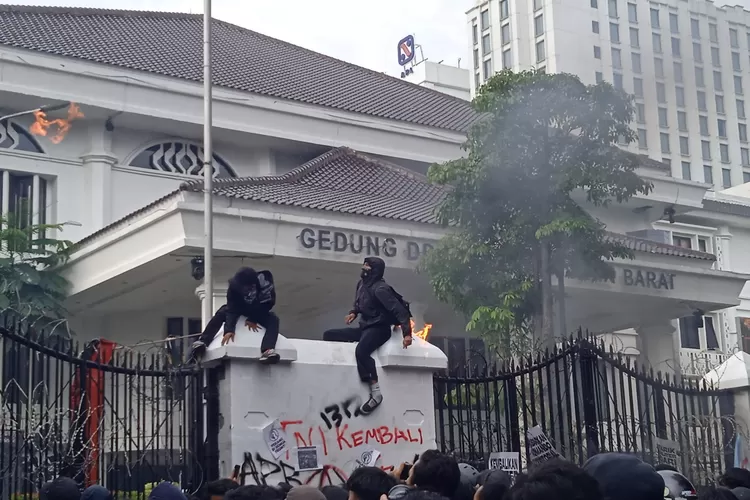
[(587, 401), (98, 413)]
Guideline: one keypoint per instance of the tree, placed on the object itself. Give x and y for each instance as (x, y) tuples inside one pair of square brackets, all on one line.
[(544, 145), (31, 287)]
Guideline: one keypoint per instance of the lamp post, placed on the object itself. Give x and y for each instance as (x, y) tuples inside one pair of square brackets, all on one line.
[(208, 170)]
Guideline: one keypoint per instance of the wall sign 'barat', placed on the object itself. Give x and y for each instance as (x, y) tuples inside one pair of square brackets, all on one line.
[(648, 279), (366, 245)]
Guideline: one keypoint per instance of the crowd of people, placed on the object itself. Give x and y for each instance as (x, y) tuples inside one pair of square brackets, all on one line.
[(437, 476)]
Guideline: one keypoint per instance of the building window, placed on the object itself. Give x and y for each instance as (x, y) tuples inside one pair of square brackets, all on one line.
[(664, 141), (699, 82), (734, 40), (594, 4), (537, 4), (634, 41), (655, 18), (656, 41), (703, 125), (663, 122), (14, 136), (717, 81), (635, 59), (697, 54), (726, 177), (642, 139), (715, 57), (677, 70), (505, 33), (658, 67), (507, 59), (740, 109), (698, 332), (736, 65), (684, 146), (487, 69), (599, 77), (738, 85), (686, 170), (613, 9), (724, 153), (676, 52), (540, 55), (504, 13), (177, 157), (632, 13), (745, 177), (485, 19), (682, 241), (719, 104), (674, 25), (745, 156), (597, 52), (682, 121), (640, 112), (477, 80), (721, 127), (708, 174), (27, 198), (617, 80), (713, 32), (486, 45), (614, 32), (702, 100), (661, 93), (679, 93), (539, 25), (638, 87), (474, 33), (595, 27), (706, 150), (476, 58), (742, 129), (616, 59), (695, 28)]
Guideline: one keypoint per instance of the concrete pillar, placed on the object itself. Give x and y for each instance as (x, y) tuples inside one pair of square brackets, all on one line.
[(658, 347), (218, 300), (98, 161)]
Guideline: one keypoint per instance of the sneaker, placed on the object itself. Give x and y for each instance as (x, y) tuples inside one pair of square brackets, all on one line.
[(369, 406), (269, 357), (197, 352)]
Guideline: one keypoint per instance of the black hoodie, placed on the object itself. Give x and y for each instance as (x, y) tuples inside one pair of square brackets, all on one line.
[(250, 294), (375, 301)]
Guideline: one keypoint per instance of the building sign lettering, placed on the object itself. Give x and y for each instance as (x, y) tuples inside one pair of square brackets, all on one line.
[(648, 279), (367, 245)]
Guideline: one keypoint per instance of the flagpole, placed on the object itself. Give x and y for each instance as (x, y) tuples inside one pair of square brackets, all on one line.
[(208, 168)]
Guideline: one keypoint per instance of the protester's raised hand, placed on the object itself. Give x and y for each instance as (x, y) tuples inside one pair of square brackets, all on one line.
[(252, 326), (227, 338), (350, 318)]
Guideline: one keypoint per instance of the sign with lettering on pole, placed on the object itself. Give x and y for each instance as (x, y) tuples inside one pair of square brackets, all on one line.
[(540, 447), (668, 452), (508, 461)]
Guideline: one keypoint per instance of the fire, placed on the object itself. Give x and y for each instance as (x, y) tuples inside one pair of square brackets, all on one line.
[(41, 125), (423, 333)]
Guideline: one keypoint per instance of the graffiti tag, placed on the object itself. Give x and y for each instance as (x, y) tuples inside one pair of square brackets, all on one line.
[(334, 412)]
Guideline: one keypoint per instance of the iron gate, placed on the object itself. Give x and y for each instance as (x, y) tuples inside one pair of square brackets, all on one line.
[(587, 401), (101, 414)]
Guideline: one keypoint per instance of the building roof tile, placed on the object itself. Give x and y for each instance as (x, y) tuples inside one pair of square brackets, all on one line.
[(171, 44)]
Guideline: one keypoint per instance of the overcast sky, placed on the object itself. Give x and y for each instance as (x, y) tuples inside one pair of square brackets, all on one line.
[(364, 33)]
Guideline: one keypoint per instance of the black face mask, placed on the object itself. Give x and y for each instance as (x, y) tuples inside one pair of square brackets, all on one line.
[(364, 273)]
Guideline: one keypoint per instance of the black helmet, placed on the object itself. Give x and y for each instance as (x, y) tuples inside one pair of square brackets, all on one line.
[(469, 474), (676, 485)]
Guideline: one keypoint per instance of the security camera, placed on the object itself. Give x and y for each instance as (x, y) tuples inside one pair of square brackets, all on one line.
[(197, 268)]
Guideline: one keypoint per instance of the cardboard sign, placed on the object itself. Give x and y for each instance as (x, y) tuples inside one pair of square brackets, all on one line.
[(307, 458), (668, 452), (275, 439), (540, 447), (508, 461)]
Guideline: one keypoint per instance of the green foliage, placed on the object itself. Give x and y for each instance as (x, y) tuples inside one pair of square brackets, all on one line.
[(546, 144), (31, 287)]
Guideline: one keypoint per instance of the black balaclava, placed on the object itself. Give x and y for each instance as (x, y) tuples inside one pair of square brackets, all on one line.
[(376, 272), (246, 282)]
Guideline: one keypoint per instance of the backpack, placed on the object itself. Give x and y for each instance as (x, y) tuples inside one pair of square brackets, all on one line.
[(401, 299), (267, 293)]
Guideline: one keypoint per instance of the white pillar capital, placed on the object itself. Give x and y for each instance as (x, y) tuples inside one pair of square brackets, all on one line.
[(218, 300)]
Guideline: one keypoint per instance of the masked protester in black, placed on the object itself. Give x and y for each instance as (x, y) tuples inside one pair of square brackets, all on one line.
[(379, 308), (251, 294)]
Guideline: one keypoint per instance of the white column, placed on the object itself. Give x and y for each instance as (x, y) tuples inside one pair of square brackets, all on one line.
[(98, 161), (219, 298), (659, 347)]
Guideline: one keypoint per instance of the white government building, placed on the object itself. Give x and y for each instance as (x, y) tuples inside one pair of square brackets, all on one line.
[(319, 163)]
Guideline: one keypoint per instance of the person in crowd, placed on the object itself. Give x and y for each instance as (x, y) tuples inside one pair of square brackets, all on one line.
[(166, 491), (493, 486), (215, 490), (469, 474), (556, 480), (61, 488), (254, 492), (369, 483), (250, 294), (417, 494), (676, 485), (741, 493), (305, 493), (715, 493), (96, 492), (436, 472), (334, 492), (625, 477), (379, 308), (284, 488), (734, 477), (661, 467)]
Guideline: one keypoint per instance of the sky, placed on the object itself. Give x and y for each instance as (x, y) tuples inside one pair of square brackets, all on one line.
[(363, 33)]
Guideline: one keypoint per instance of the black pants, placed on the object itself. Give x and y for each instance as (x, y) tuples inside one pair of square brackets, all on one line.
[(370, 339), (270, 323)]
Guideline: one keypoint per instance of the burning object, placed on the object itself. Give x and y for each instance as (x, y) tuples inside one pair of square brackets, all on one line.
[(55, 130)]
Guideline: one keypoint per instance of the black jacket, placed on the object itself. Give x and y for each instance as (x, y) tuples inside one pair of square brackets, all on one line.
[(376, 303), (250, 294)]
